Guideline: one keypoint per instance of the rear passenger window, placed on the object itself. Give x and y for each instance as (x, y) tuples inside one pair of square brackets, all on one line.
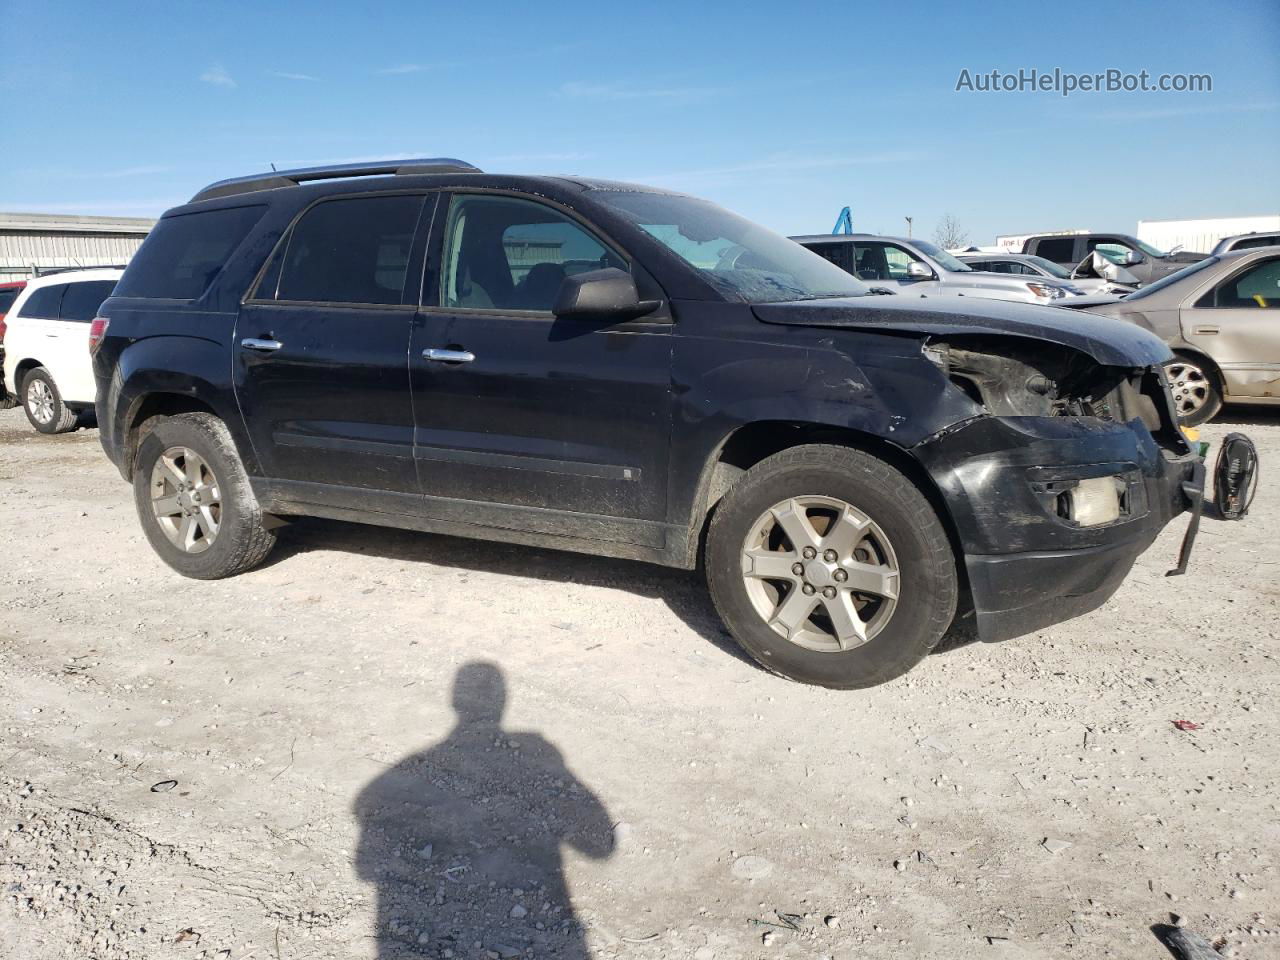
[(182, 254), (354, 250), (44, 303), (841, 254), (82, 300)]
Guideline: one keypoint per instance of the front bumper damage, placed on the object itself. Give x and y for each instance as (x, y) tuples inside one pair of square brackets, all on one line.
[(1028, 565)]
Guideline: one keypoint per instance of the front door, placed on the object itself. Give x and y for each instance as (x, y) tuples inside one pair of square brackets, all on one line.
[(321, 368), (525, 420), (1237, 323)]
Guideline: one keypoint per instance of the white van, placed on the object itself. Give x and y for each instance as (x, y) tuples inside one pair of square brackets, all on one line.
[(46, 345)]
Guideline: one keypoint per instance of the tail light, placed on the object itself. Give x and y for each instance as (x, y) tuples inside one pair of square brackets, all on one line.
[(97, 330), (3, 328)]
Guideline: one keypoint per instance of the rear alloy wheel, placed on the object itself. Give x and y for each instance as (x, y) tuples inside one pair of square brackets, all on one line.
[(43, 403), (186, 499), (1196, 396), (194, 499), (830, 567)]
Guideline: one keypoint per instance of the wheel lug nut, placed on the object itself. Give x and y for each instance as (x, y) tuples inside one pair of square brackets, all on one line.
[(797, 568), (809, 589), (810, 553), (841, 576), (829, 592), (829, 556)]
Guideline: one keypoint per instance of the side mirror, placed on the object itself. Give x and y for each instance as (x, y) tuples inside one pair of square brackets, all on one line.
[(608, 294), (919, 271), (1132, 258)]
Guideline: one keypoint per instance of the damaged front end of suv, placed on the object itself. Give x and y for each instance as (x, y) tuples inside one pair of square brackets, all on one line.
[(1054, 447), (1067, 473)]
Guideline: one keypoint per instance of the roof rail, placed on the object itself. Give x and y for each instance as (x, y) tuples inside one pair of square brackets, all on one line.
[(291, 178)]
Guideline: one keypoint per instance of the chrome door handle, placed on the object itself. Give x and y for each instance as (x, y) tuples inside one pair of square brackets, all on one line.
[(263, 346), (448, 356), (1202, 331)]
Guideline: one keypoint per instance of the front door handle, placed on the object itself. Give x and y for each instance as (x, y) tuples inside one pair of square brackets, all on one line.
[(448, 356), (262, 346), (1204, 330)]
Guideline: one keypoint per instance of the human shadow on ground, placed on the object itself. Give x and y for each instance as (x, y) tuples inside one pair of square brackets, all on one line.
[(463, 841)]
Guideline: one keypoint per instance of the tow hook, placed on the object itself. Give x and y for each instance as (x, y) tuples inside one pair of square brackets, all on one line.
[(1235, 480)]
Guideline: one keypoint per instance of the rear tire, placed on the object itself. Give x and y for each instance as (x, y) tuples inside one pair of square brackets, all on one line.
[(43, 405), (1197, 388), (880, 555), (194, 500)]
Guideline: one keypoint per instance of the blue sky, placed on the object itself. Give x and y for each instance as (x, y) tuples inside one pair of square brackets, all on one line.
[(784, 115)]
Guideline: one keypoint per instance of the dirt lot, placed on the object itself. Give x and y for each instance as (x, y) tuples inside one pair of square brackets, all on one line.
[(313, 760)]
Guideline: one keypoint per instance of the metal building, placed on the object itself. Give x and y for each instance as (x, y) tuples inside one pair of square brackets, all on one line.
[(32, 243), (1201, 235)]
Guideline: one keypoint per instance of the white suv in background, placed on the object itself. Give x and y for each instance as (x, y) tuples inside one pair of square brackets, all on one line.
[(46, 345)]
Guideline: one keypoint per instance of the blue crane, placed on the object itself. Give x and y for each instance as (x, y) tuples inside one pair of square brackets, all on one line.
[(844, 222)]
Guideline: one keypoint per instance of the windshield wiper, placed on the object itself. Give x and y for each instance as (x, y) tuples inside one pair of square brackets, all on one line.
[(882, 291)]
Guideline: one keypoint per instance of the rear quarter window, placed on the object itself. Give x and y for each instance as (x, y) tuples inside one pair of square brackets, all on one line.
[(183, 254), (44, 302), (82, 300)]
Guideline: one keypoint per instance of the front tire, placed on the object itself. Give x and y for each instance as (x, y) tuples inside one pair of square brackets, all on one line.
[(194, 500), (829, 567), (42, 402), (1196, 386)]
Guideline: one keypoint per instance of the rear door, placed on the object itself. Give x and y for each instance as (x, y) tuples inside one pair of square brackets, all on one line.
[(35, 331), (321, 368), (1237, 324), (524, 420)]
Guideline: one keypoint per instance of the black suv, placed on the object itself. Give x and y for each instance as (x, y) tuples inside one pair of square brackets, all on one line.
[(618, 370)]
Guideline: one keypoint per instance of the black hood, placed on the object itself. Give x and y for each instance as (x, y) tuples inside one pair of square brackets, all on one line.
[(1109, 341)]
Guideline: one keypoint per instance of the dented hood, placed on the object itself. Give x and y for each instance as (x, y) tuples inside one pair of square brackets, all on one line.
[(1108, 341)]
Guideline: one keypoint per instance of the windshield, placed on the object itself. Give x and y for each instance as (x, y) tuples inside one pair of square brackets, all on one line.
[(945, 260), (1149, 249), (740, 259), (1049, 267), (1173, 278)]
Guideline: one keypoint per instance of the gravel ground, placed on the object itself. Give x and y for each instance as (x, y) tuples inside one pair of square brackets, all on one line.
[(386, 744)]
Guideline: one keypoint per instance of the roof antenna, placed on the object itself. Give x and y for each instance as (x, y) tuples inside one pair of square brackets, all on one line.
[(273, 168)]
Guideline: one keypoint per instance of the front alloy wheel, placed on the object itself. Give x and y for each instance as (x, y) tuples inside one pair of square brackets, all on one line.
[(186, 499), (820, 573)]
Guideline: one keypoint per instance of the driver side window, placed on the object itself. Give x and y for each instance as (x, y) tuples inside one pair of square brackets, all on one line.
[(898, 260), (504, 253)]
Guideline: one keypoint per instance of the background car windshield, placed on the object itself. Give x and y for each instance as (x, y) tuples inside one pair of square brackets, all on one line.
[(1051, 268), (740, 259), (1149, 249), (944, 259), (1173, 278), (7, 297)]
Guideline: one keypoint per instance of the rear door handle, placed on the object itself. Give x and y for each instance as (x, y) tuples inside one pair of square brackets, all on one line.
[(262, 346), (1204, 330), (448, 356)]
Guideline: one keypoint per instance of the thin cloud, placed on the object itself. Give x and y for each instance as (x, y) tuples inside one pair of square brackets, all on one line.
[(285, 75), (784, 162), (1167, 113), (401, 69), (217, 76), (540, 157), (614, 91), (141, 171)]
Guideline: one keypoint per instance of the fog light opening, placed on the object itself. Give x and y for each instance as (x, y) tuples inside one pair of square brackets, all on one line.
[(1094, 502)]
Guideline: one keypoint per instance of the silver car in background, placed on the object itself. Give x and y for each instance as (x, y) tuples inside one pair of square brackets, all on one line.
[(1221, 317), (1247, 241), (1028, 265), (916, 267)]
